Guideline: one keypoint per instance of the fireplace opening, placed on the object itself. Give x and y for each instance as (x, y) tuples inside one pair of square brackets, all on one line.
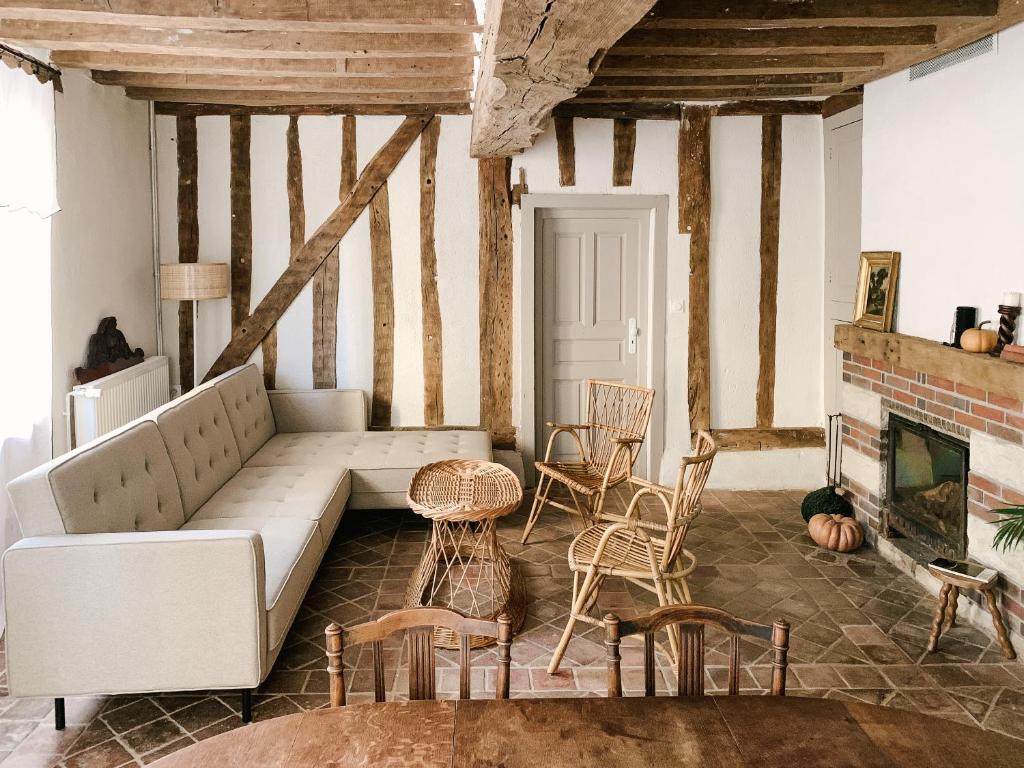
[(927, 486)]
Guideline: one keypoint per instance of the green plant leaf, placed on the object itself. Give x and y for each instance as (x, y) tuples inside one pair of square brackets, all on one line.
[(1011, 528)]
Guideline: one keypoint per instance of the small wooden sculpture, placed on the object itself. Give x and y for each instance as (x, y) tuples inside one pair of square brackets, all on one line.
[(108, 353)]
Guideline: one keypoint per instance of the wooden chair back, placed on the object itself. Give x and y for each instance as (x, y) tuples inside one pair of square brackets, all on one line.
[(616, 412), (689, 621), (418, 625)]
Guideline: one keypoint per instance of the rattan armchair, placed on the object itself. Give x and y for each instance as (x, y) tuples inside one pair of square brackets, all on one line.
[(645, 552), (608, 444)]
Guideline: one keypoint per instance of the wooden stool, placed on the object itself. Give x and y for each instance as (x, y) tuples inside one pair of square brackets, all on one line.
[(963, 574)]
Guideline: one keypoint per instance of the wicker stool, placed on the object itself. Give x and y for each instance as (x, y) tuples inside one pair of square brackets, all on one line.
[(464, 567)]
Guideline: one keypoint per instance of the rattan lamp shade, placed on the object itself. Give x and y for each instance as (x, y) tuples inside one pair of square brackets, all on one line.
[(193, 282)]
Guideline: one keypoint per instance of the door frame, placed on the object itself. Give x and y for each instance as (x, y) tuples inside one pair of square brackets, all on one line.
[(652, 328), (831, 378)]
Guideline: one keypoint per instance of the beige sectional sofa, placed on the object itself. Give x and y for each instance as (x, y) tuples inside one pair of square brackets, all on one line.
[(174, 554)]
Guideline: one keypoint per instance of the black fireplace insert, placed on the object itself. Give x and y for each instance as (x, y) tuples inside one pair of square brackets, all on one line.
[(927, 486)]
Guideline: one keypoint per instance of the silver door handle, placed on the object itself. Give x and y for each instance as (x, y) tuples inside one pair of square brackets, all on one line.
[(632, 334)]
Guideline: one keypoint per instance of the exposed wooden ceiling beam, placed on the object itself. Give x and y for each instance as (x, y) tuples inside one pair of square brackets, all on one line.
[(728, 64), (668, 110), (153, 39), (773, 40), (536, 55), (418, 24), (695, 13), (951, 36), (597, 95), (611, 81), (172, 63), (420, 12), (671, 110), (257, 82), (194, 109), (286, 97)]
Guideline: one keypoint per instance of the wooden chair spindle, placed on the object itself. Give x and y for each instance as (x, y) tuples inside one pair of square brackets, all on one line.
[(464, 666), (734, 665), (649, 685), (378, 671)]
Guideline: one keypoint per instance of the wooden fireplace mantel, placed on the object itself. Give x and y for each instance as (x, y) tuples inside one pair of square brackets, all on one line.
[(923, 355)]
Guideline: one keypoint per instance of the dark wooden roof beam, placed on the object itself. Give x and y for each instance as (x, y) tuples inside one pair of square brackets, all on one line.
[(744, 13), (773, 40)]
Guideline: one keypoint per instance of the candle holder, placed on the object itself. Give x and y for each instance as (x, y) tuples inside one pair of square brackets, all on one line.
[(1007, 327)]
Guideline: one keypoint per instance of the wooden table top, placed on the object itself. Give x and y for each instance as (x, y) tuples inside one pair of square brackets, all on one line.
[(635, 731)]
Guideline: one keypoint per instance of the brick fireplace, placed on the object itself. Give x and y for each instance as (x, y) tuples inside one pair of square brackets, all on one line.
[(960, 399)]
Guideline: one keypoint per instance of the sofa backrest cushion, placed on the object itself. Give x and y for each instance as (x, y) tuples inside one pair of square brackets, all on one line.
[(119, 483), (248, 409), (319, 410), (201, 445)]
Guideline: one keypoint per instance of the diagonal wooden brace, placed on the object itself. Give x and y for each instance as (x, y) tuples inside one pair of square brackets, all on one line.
[(248, 335)]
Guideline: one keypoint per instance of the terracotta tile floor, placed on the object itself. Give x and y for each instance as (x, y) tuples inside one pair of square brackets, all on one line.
[(859, 630)]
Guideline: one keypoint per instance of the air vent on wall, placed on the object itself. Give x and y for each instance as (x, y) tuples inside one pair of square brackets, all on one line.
[(960, 55)]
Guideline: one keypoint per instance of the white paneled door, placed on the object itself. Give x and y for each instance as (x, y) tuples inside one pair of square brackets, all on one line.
[(592, 308)]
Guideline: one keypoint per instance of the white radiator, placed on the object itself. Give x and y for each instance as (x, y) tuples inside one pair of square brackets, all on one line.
[(112, 401)]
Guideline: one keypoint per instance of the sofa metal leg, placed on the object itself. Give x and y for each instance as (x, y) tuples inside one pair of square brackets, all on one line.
[(58, 714), (247, 706)]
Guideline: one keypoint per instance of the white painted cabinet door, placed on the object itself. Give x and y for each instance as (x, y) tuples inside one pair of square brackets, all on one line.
[(590, 306)]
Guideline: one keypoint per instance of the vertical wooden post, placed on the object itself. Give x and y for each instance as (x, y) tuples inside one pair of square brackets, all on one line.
[(188, 242), (433, 364), (326, 283), (566, 142), (623, 146), (612, 657), (695, 219), (496, 299), (241, 218), (383, 308), (296, 237), (771, 184), (335, 667)]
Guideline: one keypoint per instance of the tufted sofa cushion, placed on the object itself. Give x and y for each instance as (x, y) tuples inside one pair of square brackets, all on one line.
[(123, 483), (380, 462), (303, 493), (248, 408), (291, 551), (201, 445)]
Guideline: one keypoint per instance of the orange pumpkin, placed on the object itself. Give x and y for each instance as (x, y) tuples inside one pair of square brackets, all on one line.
[(836, 532), (979, 339)]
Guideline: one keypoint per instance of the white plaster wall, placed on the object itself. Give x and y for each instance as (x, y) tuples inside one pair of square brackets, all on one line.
[(942, 184), (735, 277), (102, 250)]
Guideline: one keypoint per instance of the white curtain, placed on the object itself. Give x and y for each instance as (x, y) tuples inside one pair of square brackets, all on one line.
[(28, 197)]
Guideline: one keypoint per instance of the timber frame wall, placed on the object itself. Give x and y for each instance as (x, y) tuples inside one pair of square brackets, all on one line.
[(317, 259)]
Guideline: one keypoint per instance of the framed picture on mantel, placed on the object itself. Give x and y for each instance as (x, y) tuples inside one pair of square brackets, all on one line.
[(876, 289)]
